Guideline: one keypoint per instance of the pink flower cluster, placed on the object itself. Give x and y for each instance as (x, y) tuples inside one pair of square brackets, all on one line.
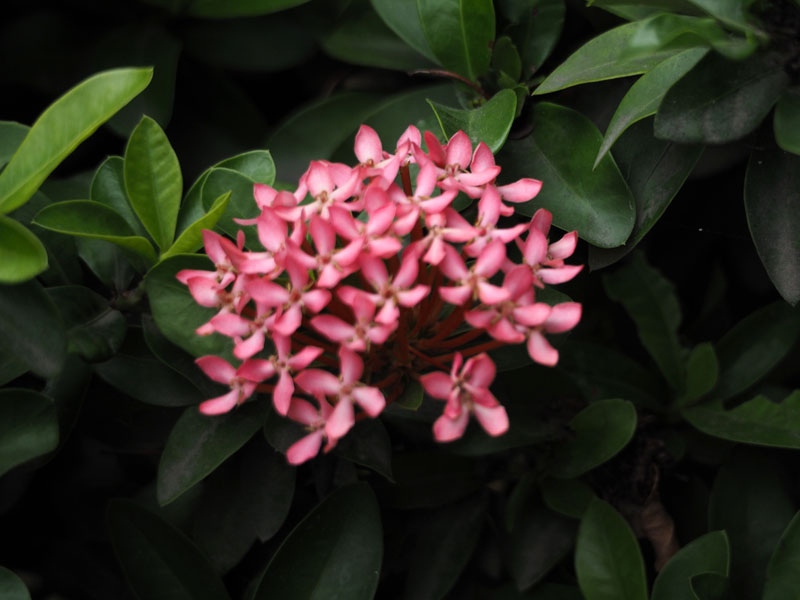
[(373, 280)]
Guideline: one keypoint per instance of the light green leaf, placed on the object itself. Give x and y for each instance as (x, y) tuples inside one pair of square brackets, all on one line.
[(191, 239), (787, 120), (402, 17), (11, 586), (22, 255), (11, 136), (601, 58), (153, 181), (706, 554), (28, 427), (783, 570), (65, 124), (84, 218), (108, 187), (228, 9), (489, 123)]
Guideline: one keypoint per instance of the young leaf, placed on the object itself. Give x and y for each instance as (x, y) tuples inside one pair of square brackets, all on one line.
[(191, 239), (783, 575), (402, 17), (228, 9), (65, 124), (108, 187), (596, 202), (608, 561), (489, 123), (198, 444), (153, 180), (11, 586), (460, 33), (24, 256), (84, 218), (601, 58), (159, 562), (336, 551), (706, 554), (787, 120), (601, 430), (720, 100), (28, 427), (11, 136), (772, 205)]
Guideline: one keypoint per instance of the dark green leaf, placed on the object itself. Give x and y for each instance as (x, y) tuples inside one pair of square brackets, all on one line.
[(601, 58), (783, 574), (460, 33), (570, 497), (65, 124), (11, 367), (108, 262), (242, 204), (720, 100), (108, 187), (631, 11), (226, 9), (198, 444), (489, 123), (608, 562), (95, 331), (732, 13), (368, 444), (84, 218), (159, 562), (752, 503), (536, 30), (601, 430), (597, 203), (702, 371), (505, 58), (191, 238), (772, 205), (22, 255), (402, 17), (11, 586), (706, 554), (31, 328), (11, 136), (153, 180), (67, 389), (650, 301), (336, 551), (710, 586), (411, 398), (787, 120), (28, 427)]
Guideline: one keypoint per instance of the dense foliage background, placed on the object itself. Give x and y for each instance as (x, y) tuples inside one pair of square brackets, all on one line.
[(658, 459)]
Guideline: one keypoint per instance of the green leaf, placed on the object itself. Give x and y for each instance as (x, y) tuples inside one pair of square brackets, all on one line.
[(706, 554), (191, 239), (227, 9), (783, 574), (608, 562), (11, 586), (570, 497), (595, 202), (489, 123), (31, 328), (601, 430), (11, 136), (108, 187), (650, 301), (459, 33), (644, 96), (444, 546), (22, 255), (505, 58), (655, 171), (602, 58), (95, 331), (731, 13), (787, 120), (772, 205), (12, 367), (536, 31), (84, 218), (719, 100), (153, 180), (336, 551), (631, 11), (402, 17), (411, 398), (28, 427), (159, 562), (241, 205), (198, 444), (368, 445), (65, 124), (751, 501), (108, 262), (702, 372)]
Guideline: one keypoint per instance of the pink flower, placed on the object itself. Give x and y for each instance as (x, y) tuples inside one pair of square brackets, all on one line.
[(474, 282), (221, 371), (314, 419)]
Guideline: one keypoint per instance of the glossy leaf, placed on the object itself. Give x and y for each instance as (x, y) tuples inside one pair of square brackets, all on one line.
[(601, 430), (536, 30), (241, 205), (783, 575), (644, 96), (505, 58), (336, 551), (109, 263), (489, 123), (153, 181), (650, 301), (787, 120), (11, 586), (608, 561), (108, 187), (28, 427), (459, 33), (402, 17), (11, 136), (191, 239), (31, 328), (597, 203), (570, 497), (720, 100), (65, 124), (706, 554), (772, 205), (733, 14), (84, 218), (601, 58), (159, 562), (198, 444), (22, 255), (655, 171), (226, 9)]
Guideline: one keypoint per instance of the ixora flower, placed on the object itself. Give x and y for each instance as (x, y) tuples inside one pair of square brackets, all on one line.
[(368, 280)]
